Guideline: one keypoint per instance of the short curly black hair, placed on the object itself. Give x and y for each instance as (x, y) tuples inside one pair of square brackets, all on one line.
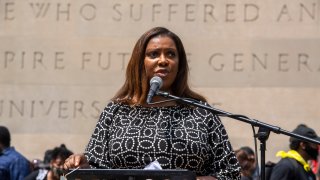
[(5, 137), (61, 152)]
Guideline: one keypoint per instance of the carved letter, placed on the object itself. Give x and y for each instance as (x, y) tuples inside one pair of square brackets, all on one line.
[(84, 59), (171, 11), (88, 12), (108, 60), (284, 11), (312, 15), (19, 110), (117, 11), (67, 12), (62, 108), (78, 107), (139, 13), (303, 60), (190, 10), (40, 9), (256, 58), (8, 10), (208, 10), (154, 11), (237, 61), (254, 15), (283, 62), (211, 63), (38, 57), (230, 11), (8, 58)]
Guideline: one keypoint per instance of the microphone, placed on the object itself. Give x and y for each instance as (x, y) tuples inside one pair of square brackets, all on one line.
[(155, 85)]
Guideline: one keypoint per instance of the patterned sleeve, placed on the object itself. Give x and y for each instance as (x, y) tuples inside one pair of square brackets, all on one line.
[(224, 160), (97, 149)]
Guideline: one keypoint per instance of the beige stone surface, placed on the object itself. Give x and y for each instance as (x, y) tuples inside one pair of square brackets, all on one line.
[(61, 61)]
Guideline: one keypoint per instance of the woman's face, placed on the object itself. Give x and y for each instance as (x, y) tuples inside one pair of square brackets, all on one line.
[(161, 59)]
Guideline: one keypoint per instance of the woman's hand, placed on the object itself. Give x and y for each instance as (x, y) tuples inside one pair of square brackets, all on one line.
[(76, 160), (205, 178)]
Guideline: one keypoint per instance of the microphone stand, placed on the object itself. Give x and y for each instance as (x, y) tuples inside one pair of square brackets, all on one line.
[(263, 132)]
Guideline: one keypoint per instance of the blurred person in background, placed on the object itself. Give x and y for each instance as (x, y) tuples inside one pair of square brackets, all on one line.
[(13, 165), (294, 163), (54, 169), (248, 163)]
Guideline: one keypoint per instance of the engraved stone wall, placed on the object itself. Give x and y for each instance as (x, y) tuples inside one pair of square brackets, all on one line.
[(61, 61)]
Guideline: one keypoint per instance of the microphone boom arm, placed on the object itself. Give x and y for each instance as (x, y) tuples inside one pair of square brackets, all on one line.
[(242, 118)]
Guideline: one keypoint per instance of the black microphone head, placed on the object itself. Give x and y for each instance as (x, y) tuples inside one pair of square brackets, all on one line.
[(155, 85), (157, 80)]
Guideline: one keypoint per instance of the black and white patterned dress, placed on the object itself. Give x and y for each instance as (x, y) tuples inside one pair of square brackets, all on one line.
[(178, 137)]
